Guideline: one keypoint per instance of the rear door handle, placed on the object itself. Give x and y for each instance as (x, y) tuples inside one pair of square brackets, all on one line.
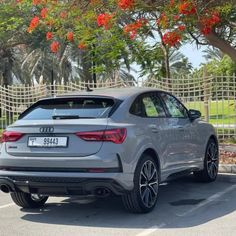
[(153, 128)]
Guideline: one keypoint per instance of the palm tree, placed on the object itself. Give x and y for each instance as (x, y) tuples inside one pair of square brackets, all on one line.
[(212, 53), (178, 63), (36, 65)]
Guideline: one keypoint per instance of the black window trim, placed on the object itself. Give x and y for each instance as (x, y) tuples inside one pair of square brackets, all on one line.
[(167, 111), (140, 96), (117, 103)]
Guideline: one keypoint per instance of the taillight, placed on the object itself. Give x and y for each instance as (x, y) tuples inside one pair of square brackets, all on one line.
[(11, 136), (113, 135)]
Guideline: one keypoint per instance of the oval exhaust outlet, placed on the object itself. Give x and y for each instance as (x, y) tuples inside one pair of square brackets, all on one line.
[(4, 188)]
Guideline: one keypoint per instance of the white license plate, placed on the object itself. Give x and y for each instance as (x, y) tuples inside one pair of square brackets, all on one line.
[(47, 141)]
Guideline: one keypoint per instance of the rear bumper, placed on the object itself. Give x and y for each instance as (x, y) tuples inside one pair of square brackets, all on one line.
[(62, 183)]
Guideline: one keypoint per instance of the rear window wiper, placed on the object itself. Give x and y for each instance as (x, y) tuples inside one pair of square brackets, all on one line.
[(64, 117)]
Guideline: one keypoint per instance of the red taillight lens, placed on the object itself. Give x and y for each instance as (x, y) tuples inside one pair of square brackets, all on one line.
[(113, 135), (11, 136)]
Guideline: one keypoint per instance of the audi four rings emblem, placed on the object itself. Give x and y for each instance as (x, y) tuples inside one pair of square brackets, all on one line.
[(46, 130)]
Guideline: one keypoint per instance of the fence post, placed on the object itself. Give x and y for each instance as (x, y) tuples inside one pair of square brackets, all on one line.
[(206, 94)]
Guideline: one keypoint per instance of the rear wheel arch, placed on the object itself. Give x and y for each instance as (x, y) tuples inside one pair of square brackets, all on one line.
[(213, 137), (143, 197), (151, 152)]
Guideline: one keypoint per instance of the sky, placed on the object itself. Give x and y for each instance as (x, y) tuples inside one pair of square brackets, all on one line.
[(194, 54)]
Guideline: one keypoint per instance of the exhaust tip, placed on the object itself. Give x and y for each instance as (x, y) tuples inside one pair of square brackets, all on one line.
[(4, 188), (102, 192)]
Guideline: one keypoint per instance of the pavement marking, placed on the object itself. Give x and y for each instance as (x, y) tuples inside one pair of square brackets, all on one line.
[(209, 200), (212, 198), (151, 230), (7, 205)]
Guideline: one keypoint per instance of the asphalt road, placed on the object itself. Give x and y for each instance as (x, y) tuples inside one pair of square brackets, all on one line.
[(184, 208)]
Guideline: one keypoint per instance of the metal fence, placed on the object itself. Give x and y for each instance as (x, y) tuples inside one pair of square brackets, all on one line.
[(215, 97)]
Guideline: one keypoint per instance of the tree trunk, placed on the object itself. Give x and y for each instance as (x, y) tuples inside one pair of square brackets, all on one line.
[(7, 80), (94, 71), (7, 68), (87, 66), (224, 46), (167, 66), (166, 70)]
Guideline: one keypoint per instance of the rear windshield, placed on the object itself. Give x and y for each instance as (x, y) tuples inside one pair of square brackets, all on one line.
[(69, 108)]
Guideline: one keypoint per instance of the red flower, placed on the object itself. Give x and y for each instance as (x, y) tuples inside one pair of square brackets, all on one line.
[(172, 3), (176, 17), (36, 2), (126, 4), (181, 27), (44, 12), (215, 19), (104, 20), (63, 14), (132, 29), (209, 21), (82, 46), (171, 38), (33, 24), (49, 35), (133, 34), (206, 30), (187, 8), (55, 46), (70, 36)]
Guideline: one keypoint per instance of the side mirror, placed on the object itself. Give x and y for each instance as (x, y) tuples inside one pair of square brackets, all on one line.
[(194, 114)]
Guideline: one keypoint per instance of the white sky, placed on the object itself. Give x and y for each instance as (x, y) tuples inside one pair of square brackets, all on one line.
[(194, 54)]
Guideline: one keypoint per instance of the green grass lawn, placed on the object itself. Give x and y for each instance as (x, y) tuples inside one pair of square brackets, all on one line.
[(220, 112)]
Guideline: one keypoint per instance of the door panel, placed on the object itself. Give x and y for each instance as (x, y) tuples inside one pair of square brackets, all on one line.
[(183, 146)]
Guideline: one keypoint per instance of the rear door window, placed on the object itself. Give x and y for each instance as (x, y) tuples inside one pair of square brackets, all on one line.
[(148, 105), (69, 108)]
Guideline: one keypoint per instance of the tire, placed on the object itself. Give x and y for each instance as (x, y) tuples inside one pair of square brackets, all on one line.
[(143, 198), (211, 163), (27, 200)]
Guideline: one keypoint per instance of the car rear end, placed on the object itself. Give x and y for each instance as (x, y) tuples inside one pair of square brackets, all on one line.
[(65, 146)]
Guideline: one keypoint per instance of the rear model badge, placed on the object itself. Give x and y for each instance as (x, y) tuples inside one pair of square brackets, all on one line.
[(46, 130)]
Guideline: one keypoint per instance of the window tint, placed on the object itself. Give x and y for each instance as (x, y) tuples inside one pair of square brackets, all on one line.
[(175, 108), (148, 106), (80, 107)]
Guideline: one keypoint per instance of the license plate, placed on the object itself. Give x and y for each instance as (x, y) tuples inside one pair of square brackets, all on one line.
[(47, 141)]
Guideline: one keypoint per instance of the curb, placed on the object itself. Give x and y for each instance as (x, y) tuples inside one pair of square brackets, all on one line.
[(227, 168)]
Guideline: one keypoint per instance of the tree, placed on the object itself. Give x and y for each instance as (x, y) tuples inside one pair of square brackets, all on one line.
[(223, 67), (153, 63), (111, 23), (11, 35), (212, 53)]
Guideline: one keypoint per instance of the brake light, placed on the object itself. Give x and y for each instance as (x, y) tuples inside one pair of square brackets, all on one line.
[(113, 135), (11, 136)]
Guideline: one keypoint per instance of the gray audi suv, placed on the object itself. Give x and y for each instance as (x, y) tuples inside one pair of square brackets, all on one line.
[(116, 141)]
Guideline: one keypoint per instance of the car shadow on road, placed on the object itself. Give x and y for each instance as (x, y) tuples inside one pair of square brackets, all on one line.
[(182, 203)]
